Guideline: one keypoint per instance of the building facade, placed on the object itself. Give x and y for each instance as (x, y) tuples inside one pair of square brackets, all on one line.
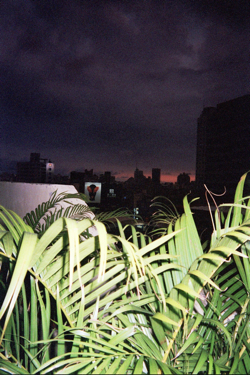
[(223, 139), (156, 175), (139, 176), (36, 170)]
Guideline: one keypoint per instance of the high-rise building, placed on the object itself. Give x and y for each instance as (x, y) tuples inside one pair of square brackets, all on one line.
[(36, 170), (223, 144), (156, 175), (138, 176), (107, 176)]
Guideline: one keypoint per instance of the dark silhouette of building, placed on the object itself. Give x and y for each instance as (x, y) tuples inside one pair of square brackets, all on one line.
[(156, 175), (78, 179), (139, 177), (34, 170), (223, 139), (183, 180)]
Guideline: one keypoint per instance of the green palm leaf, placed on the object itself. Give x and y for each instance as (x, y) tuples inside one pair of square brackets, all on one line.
[(112, 304)]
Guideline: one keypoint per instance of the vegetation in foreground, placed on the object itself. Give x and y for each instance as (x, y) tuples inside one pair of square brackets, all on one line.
[(160, 302)]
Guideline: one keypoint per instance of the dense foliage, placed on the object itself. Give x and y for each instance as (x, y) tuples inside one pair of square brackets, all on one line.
[(130, 303)]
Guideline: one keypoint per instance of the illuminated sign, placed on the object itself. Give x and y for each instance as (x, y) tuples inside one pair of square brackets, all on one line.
[(93, 191)]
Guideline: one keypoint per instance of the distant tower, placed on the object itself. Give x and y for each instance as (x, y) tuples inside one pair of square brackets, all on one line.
[(138, 176), (107, 176), (156, 175)]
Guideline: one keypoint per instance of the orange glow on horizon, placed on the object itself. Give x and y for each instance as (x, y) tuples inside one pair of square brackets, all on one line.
[(173, 178), (164, 178)]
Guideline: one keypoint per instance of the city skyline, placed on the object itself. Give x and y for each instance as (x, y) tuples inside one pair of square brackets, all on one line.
[(37, 167), (117, 85)]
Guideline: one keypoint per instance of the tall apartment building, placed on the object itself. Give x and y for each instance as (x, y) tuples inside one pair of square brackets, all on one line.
[(223, 144), (35, 170), (138, 176), (156, 175)]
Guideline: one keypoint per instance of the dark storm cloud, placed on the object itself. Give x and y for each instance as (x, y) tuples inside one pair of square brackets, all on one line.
[(108, 85)]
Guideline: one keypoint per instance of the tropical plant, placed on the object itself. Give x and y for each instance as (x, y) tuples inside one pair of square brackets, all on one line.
[(63, 205), (112, 304), (48, 212)]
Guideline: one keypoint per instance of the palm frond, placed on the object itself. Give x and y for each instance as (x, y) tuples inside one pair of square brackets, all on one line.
[(126, 303), (52, 210)]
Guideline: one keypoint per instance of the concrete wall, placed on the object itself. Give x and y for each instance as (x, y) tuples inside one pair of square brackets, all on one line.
[(23, 197)]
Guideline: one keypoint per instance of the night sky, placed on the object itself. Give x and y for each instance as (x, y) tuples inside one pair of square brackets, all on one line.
[(115, 85)]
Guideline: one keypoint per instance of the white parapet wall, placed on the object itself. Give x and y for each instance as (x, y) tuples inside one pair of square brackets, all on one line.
[(23, 197)]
